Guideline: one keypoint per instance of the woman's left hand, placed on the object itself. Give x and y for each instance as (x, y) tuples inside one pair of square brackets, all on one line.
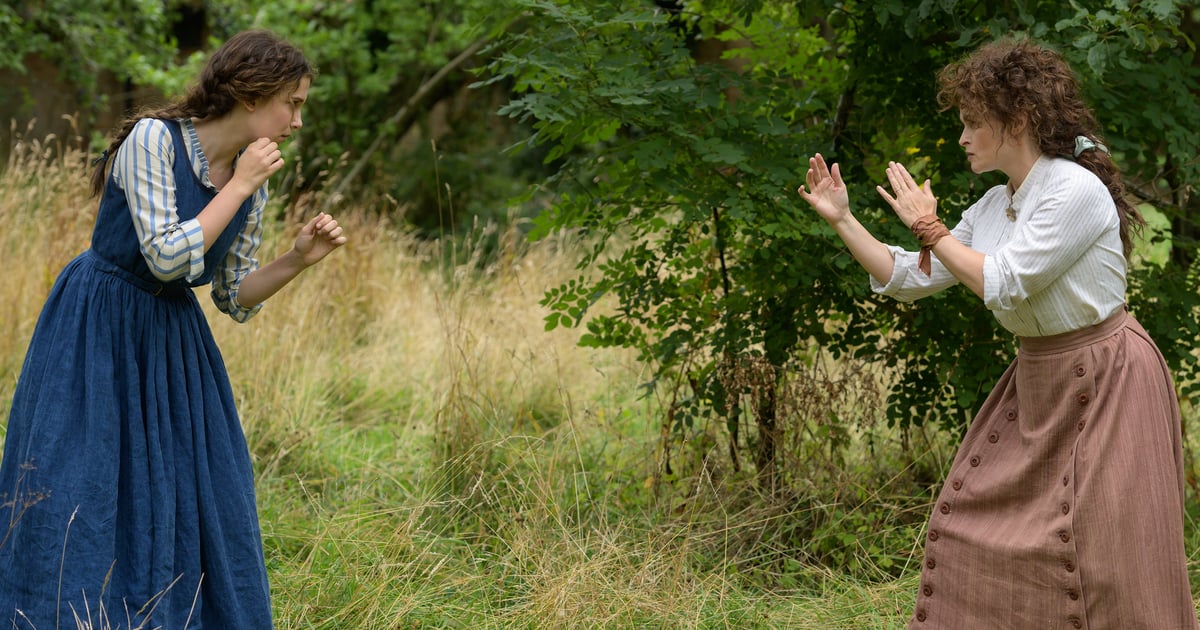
[(319, 237), (911, 201)]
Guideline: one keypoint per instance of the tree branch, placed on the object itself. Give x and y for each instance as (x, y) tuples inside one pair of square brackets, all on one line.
[(402, 117)]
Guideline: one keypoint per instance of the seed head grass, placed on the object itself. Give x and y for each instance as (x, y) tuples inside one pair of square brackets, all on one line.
[(428, 456)]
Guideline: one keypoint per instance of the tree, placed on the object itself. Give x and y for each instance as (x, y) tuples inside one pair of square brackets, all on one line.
[(384, 67), (393, 78), (88, 43), (684, 172)]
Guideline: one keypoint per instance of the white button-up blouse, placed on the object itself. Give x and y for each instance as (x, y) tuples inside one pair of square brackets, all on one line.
[(1057, 267)]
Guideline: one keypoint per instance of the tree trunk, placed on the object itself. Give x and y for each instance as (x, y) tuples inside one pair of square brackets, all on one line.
[(764, 455)]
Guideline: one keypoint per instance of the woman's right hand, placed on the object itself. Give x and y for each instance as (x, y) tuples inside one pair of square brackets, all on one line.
[(825, 191), (261, 159)]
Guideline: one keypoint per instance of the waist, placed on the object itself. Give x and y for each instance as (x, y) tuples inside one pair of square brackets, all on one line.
[(1075, 338), (153, 286)]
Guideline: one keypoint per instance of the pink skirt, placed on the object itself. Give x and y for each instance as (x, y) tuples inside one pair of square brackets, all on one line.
[(1064, 505)]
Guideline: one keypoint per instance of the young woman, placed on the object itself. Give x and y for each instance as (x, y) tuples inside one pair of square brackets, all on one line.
[(127, 482), (1063, 507)]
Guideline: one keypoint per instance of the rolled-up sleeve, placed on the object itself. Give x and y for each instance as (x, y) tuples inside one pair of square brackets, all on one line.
[(1068, 219), (142, 168), (240, 262), (908, 283)]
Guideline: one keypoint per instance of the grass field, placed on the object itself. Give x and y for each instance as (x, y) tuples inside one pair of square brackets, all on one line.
[(427, 456)]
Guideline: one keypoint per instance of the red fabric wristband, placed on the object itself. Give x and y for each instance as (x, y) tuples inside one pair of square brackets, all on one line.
[(928, 229)]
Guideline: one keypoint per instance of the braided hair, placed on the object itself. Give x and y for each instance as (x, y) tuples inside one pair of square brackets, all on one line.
[(249, 67)]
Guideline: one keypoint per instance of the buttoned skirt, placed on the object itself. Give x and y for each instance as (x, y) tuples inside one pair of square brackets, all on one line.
[(1063, 507)]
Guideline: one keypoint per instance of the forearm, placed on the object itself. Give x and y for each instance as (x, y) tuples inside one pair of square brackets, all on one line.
[(317, 238), (267, 280), (965, 263), (869, 251), (215, 217)]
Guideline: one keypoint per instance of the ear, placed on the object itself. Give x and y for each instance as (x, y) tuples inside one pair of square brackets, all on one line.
[(249, 106), (1020, 128)]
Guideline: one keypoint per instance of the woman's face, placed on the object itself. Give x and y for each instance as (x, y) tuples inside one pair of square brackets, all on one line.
[(982, 141), (276, 117), (990, 149)]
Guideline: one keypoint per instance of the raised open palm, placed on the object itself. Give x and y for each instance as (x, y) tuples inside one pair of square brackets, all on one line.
[(825, 191)]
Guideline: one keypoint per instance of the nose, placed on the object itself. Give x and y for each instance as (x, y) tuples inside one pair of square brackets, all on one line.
[(963, 138), (297, 120)]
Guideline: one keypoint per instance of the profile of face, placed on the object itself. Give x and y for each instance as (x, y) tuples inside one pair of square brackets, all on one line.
[(988, 146), (980, 139), (278, 116)]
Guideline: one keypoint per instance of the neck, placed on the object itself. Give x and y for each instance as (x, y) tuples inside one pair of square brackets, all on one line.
[(1022, 162), (217, 139)]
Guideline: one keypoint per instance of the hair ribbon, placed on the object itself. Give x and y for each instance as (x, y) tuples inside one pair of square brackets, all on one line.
[(1084, 143)]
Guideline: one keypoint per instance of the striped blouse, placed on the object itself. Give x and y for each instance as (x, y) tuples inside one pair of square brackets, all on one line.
[(1058, 267), (174, 249)]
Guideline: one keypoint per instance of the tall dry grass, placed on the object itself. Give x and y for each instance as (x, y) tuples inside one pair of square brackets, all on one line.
[(426, 454), (45, 220)]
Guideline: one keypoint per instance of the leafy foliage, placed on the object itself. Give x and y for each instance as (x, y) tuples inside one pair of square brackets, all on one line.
[(675, 134), (692, 165), (684, 169), (85, 39), (372, 57)]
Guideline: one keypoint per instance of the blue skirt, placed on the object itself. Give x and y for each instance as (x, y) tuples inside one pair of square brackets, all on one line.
[(126, 479)]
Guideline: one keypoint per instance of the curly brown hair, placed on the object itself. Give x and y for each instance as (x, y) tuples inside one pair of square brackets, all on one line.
[(1019, 84), (250, 66)]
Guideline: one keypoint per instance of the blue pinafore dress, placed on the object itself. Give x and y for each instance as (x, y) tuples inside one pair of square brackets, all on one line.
[(126, 482)]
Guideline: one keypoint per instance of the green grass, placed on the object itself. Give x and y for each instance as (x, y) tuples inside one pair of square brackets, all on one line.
[(427, 456)]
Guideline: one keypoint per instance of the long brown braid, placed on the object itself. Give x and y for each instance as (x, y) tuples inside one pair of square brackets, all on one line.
[(249, 67), (1018, 82)]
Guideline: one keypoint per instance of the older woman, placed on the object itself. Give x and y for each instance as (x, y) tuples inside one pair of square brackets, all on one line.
[(1064, 505)]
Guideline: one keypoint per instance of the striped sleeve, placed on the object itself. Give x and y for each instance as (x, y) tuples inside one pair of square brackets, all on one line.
[(239, 262), (143, 168)]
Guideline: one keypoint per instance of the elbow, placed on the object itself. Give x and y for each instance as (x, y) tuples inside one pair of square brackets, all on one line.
[(997, 287), (227, 302), (167, 273), (176, 253), (239, 314), (1001, 298), (169, 261)]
